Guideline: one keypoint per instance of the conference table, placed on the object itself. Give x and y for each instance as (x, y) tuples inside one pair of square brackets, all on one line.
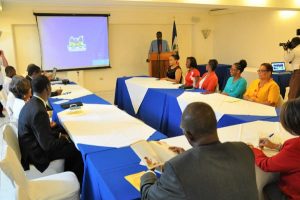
[(97, 125), (160, 104), (103, 133), (106, 174)]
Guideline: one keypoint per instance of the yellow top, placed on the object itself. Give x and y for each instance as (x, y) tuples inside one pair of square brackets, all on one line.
[(268, 93)]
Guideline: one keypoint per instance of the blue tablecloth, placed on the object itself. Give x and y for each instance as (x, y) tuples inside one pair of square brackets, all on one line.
[(222, 71), (91, 189), (122, 98), (160, 110), (283, 80), (105, 175)]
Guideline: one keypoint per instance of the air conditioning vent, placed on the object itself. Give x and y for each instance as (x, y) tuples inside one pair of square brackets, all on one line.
[(217, 9), (220, 11)]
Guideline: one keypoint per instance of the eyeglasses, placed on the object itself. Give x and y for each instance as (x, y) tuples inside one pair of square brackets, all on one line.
[(262, 70)]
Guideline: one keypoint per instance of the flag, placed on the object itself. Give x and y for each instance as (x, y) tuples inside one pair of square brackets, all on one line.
[(174, 39)]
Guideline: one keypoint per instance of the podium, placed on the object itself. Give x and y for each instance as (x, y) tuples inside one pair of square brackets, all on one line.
[(158, 64)]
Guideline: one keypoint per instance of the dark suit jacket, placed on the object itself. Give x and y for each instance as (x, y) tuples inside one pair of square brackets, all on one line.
[(222, 171), (36, 138)]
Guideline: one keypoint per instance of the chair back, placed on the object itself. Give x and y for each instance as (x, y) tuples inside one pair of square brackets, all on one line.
[(12, 168), (280, 101), (10, 104), (3, 97), (11, 139), (217, 90), (286, 96)]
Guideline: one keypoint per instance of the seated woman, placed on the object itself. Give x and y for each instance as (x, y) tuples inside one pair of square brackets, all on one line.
[(263, 90), (20, 87), (287, 161), (193, 74), (209, 80), (174, 73), (236, 85)]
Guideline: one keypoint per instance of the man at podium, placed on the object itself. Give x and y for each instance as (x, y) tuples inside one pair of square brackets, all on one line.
[(158, 57), (159, 45)]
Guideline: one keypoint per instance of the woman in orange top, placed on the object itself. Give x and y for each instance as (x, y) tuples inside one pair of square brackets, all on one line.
[(263, 90), (192, 76), (209, 80)]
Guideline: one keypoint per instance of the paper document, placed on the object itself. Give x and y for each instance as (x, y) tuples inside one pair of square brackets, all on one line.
[(135, 179), (61, 101), (156, 152)]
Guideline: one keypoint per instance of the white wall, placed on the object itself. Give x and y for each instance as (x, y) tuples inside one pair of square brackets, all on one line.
[(254, 36), (131, 30)]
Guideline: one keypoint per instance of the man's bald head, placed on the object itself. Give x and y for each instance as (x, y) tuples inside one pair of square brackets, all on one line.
[(199, 120)]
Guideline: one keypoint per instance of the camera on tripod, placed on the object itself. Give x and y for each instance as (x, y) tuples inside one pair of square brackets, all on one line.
[(287, 45), (291, 44)]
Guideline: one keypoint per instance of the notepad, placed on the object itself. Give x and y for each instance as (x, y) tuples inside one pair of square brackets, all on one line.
[(231, 100), (135, 179), (156, 152)]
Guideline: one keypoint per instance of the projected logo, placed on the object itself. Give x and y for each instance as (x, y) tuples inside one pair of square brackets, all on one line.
[(76, 44)]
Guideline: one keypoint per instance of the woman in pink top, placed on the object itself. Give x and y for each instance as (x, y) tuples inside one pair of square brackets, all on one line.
[(209, 80)]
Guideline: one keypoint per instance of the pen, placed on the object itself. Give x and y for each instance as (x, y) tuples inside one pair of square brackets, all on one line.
[(269, 137), (263, 141)]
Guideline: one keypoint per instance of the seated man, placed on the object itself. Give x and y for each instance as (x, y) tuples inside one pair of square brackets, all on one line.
[(210, 170), (35, 71), (39, 144)]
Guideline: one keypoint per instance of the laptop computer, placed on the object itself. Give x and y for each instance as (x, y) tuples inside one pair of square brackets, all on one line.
[(278, 67)]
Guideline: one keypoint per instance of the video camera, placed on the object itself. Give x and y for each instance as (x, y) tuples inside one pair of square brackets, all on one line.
[(290, 44), (287, 45)]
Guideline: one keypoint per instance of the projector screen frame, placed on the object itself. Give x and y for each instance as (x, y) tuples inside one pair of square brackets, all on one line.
[(36, 14)]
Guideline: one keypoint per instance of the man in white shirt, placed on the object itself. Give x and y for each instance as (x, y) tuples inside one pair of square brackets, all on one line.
[(292, 55)]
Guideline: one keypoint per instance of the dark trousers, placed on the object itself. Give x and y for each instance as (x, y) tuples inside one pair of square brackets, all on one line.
[(73, 159), (272, 192), (295, 85)]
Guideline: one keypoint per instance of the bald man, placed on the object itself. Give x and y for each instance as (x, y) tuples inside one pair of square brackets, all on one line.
[(210, 170)]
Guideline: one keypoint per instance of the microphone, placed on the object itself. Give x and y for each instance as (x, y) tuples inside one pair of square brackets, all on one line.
[(159, 44)]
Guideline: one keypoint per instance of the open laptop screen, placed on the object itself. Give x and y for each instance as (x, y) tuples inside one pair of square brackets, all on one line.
[(278, 66)]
